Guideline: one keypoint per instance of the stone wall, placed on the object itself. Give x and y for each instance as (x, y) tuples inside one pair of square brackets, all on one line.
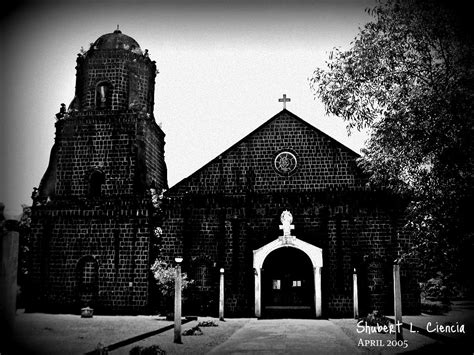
[(352, 235), (114, 237), (126, 149), (75, 232)]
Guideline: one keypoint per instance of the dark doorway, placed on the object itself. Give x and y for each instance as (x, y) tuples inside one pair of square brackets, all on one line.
[(287, 285)]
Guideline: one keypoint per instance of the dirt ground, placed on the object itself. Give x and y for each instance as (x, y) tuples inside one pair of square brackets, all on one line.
[(40, 333)]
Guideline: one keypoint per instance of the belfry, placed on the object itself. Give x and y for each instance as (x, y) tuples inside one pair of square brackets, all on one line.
[(92, 222)]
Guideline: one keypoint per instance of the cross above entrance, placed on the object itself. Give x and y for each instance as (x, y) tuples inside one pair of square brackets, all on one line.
[(286, 220), (284, 100), (287, 229)]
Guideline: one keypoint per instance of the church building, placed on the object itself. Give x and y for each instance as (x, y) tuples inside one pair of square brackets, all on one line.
[(286, 211), (288, 215)]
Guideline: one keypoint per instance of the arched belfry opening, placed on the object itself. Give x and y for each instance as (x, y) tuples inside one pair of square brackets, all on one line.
[(103, 96), (288, 276)]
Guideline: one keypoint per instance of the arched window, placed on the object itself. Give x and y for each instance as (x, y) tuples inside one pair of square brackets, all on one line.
[(103, 96), (202, 276), (96, 180), (87, 274)]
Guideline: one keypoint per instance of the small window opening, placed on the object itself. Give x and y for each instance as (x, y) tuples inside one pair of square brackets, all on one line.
[(88, 273), (96, 180), (276, 284), (202, 276)]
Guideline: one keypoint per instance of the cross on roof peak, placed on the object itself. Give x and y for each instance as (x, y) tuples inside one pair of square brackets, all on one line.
[(284, 99)]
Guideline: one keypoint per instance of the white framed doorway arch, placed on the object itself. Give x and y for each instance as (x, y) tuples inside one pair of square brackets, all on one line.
[(313, 252)]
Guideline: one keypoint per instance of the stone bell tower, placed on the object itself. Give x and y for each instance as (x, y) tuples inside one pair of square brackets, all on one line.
[(92, 220)]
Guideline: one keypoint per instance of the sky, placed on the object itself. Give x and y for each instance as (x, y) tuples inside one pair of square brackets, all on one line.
[(222, 68)]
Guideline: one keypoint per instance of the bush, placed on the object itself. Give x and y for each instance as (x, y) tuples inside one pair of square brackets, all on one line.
[(375, 319), (438, 288), (434, 307), (193, 331), (209, 323), (149, 350)]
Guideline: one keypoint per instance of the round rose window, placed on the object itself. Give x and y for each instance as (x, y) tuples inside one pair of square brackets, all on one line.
[(285, 163)]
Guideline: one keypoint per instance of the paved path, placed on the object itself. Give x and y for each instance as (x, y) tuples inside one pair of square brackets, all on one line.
[(288, 336), (461, 313)]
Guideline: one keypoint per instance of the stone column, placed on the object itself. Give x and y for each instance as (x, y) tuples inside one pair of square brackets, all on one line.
[(8, 274), (258, 293), (221, 294), (397, 298), (177, 304), (355, 294), (317, 291)]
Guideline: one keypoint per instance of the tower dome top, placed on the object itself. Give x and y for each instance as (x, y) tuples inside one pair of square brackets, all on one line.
[(116, 40)]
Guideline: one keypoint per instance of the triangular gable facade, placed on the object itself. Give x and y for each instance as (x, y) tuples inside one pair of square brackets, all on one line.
[(252, 164)]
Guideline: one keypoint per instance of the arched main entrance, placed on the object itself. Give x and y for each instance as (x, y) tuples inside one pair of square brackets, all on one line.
[(313, 253), (287, 284)]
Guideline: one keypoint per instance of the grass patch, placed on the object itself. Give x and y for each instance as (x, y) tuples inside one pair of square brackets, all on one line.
[(434, 307)]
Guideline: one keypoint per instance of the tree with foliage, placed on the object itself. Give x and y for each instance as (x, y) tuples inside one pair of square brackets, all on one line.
[(24, 229), (165, 276), (408, 78)]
